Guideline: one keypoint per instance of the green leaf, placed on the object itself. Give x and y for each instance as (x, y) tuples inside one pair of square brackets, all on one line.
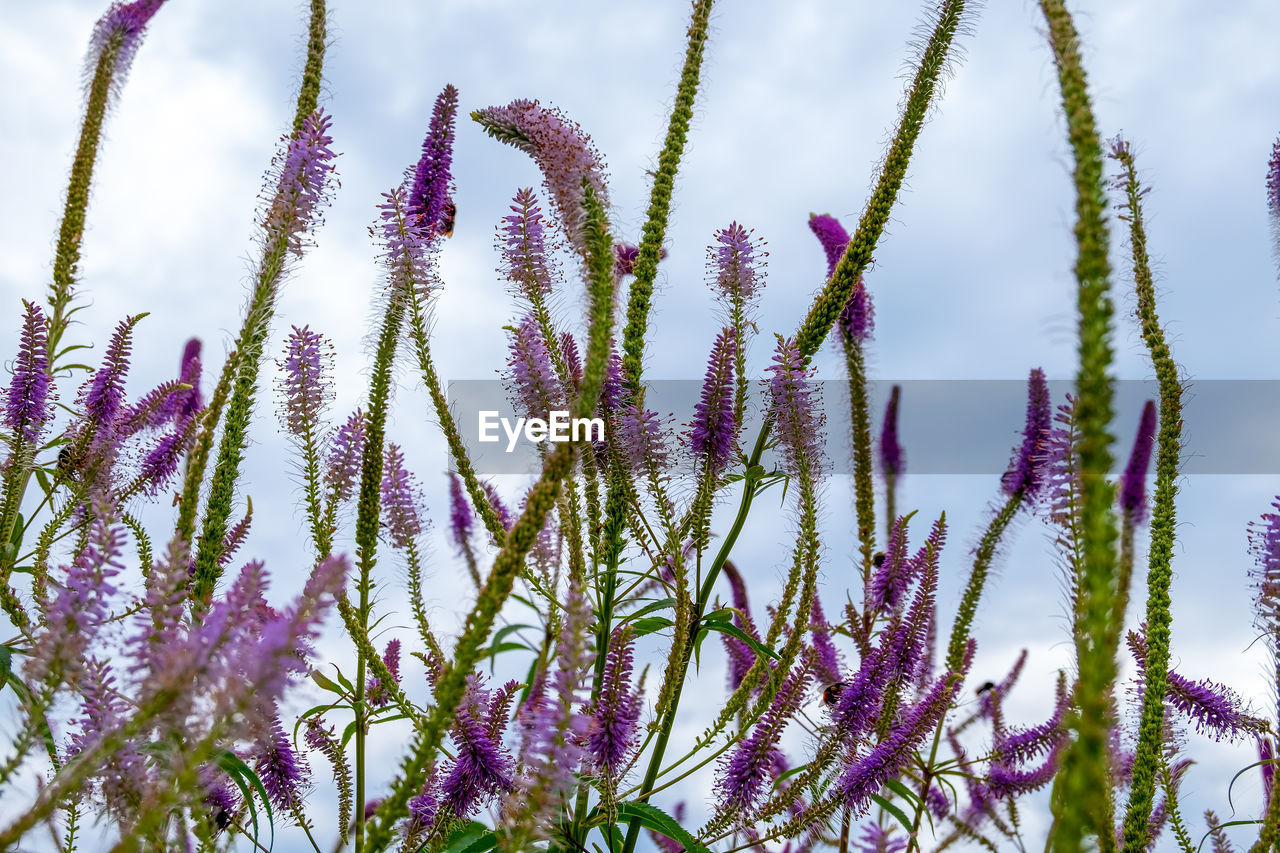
[(500, 648), (244, 777), (897, 813), (660, 604), (326, 682), (42, 477), (737, 633), (6, 665), (471, 838), (903, 791), (651, 624), (612, 836), (656, 819)]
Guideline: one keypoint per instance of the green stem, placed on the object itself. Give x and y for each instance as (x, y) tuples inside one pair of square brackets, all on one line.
[(977, 579)]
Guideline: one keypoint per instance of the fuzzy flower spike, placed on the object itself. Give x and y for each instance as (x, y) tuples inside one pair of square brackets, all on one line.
[(1133, 484), (563, 152), (796, 413), (27, 404), (713, 433), (429, 197), (1026, 473)]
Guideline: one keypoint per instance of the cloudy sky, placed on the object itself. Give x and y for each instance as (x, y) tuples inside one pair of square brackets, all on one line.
[(971, 282)]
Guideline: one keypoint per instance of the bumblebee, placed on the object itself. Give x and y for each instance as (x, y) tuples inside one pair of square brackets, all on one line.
[(831, 695), (447, 218), (878, 559)]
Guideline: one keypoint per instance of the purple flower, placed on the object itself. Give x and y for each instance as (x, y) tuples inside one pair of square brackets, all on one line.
[(461, 520), (308, 359), (832, 236), (615, 713), (736, 264), (408, 248), (1026, 472), (424, 806), (283, 772), (892, 577), (533, 379), (219, 801), (499, 508), (1007, 781), (988, 699), (1264, 542), (562, 151), (123, 24), (744, 774), (27, 407), (1216, 709), (858, 319), (431, 178), (741, 657), (826, 659), (1133, 496), (642, 439), (891, 462), (524, 253), (103, 395), (189, 374), (305, 169), (1266, 758), (345, 452), (399, 499), (878, 839), (625, 257), (797, 419), (377, 694), (713, 433)]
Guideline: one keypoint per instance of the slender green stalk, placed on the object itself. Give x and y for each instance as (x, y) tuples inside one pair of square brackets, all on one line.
[(1083, 788), (986, 552), (864, 501), (646, 268), (1149, 755)]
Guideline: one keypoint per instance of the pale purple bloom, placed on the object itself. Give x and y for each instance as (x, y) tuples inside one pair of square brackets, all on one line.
[(533, 381), (826, 659), (376, 693), (524, 252), (27, 407), (342, 469), (408, 243), (936, 799), (219, 801), (431, 178), (617, 711), (399, 499), (1133, 496), (104, 709), (461, 520), (123, 23), (745, 773), (424, 806), (1264, 542), (482, 768), (892, 577), (305, 171), (1026, 473), (736, 264), (562, 151), (891, 463), (797, 418), (713, 433), (573, 366), (308, 360), (1273, 183), (988, 698), (878, 839), (499, 507), (741, 657), (642, 439), (1005, 780)]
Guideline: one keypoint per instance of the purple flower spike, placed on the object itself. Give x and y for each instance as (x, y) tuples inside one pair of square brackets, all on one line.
[(533, 380), (737, 264), (562, 151), (307, 360), (104, 394), (1266, 757), (858, 319), (27, 407), (126, 23), (1026, 473), (741, 657), (430, 193), (282, 771), (745, 773), (399, 499), (615, 714), (832, 236), (891, 463), (523, 241), (1264, 542), (344, 456), (1133, 493), (713, 433), (303, 187), (826, 659), (461, 519), (642, 438), (877, 839), (193, 402), (625, 257), (792, 397)]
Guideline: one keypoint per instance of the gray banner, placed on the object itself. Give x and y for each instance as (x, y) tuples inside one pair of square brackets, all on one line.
[(945, 426)]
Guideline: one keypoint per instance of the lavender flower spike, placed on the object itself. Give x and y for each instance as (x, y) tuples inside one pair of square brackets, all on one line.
[(189, 374), (562, 151), (1273, 186), (343, 465), (121, 27), (713, 433), (744, 775), (1026, 473), (104, 394), (797, 417), (737, 263), (430, 194), (461, 520), (303, 187), (1264, 542), (616, 712), (399, 499), (533, 379), (1133, 494), (307, 360), (27, 406), (891, 462), (858, 319), (524, 253)]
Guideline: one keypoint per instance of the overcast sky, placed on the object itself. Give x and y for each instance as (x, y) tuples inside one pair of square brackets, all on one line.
[(972, 280)]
